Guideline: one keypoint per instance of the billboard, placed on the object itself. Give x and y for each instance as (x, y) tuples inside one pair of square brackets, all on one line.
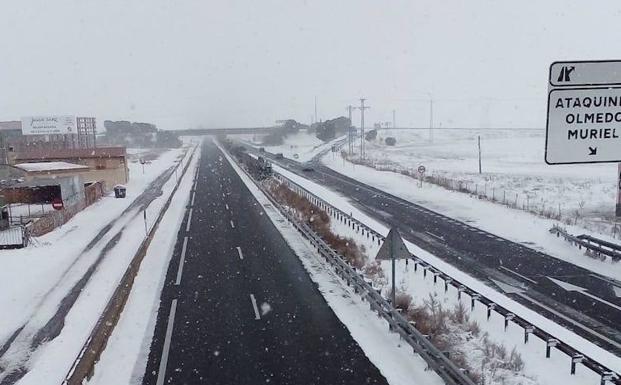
[(48, 125)]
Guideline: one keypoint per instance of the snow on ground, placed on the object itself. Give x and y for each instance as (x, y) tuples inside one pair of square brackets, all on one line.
[(300, 146), (125, 358), (48, 269), (516, 225), (343, 203), (391, 356), (50, 166), (512, 163), (40, 266)]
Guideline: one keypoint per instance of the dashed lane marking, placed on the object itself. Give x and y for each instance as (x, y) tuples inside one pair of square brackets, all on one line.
[(257, 316)]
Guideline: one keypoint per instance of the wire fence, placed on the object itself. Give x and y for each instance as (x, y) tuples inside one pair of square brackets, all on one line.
[(528, 202)]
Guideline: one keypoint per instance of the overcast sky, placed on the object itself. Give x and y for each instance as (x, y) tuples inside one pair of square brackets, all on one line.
[(188, 63)]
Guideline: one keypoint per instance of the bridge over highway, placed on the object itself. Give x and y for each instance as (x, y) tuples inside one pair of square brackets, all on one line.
[(225, 131)]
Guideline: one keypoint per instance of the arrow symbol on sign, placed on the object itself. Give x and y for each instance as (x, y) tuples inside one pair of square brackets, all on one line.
[(570, 287), (592, 150)]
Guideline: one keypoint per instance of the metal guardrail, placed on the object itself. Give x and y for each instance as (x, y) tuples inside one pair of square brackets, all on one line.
[(607, 376), (83, 366), (594, 245), (435, 359)]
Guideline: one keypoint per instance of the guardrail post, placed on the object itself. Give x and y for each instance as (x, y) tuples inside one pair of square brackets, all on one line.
[(552, 342), (435, 277), (508, 317), (606, 377), (447, 281), (459, 291), (473, 299), (490, 307), (576, 359), (527, 331)]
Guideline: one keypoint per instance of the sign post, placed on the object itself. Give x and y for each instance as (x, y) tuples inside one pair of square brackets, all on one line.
[(584, 115), (421, 174), (393, 248)]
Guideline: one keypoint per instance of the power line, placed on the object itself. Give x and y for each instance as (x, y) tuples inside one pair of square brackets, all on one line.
[(362, 108)]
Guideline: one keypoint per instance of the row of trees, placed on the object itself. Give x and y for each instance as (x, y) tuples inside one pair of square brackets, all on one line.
[(137, 134)]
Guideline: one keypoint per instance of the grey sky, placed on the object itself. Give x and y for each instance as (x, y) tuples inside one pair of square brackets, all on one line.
[(245, 63)]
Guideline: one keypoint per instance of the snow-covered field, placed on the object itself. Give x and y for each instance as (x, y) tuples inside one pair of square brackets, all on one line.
[(48, 269), (512, 163)]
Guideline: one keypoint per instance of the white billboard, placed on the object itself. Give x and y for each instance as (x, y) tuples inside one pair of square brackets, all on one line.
[(48, 125)]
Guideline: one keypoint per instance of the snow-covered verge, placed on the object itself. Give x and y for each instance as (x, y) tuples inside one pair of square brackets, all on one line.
[(40, 266), (51, 270), (125, 357), (449, 328), (513, 170), (391, 356), (515, 225), (538, 366), (300, 146)]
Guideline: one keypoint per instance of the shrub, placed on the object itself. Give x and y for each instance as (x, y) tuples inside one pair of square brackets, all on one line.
[(390, 141)]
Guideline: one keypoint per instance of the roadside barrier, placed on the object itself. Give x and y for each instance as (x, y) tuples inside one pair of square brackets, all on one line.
[(594, 246), (607, 376)]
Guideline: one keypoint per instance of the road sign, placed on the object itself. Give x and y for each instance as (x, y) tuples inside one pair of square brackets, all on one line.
[(393, 246), (57, 204), (421, 169), (585, 73), (584, 113)]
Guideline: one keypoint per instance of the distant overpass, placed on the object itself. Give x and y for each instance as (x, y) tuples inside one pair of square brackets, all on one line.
[(223, 131), (265, 130)]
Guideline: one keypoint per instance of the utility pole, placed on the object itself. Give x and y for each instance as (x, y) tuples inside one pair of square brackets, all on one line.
[(394, 119), (430, 118), (350, 144), (315, 109), (362, 108), (479, 140)]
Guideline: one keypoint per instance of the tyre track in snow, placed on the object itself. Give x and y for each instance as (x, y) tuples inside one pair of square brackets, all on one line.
[(48, 320)]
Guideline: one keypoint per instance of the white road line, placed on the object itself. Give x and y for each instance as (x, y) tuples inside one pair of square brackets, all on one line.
[(254, 306), (241, 256), (187, 227), (161, 375), (226, 205), (435, 236), (193, 196), (181, 260), (232, 224), (519, 275)]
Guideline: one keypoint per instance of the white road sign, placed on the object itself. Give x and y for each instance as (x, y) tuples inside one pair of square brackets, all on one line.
[(585, 73), (584, 113), (584, 126), (48, 125)]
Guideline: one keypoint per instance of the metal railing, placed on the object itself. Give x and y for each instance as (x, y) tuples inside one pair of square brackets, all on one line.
[(607, 376), (435, 359), (594, 245)]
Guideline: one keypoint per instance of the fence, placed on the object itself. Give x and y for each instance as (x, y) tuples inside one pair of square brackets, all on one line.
[(436, 359), (594, 246), (53, 219), (606, 374)]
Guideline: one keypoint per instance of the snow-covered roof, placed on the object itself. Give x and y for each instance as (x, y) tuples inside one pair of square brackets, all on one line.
[(50, 166)]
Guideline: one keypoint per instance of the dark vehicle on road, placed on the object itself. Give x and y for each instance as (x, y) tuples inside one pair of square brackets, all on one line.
[(308, 167), (279, 156)]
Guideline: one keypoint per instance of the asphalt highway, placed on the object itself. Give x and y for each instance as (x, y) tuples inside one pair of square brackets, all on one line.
[(531, 277), (238, 306)]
